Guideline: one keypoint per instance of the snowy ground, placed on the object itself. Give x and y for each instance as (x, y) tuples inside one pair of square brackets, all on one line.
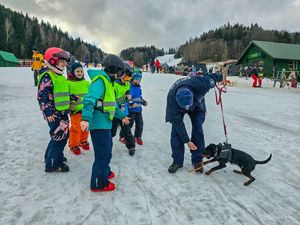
[(259, 121)]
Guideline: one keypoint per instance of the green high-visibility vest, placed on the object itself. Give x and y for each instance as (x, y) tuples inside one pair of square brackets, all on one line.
[(107, 102), (80, 89), (61, 92), (121, 90)]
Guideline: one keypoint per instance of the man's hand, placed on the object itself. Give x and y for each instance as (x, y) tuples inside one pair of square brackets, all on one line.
[(51, 118), (192, 146), (126, 120), (84, 125)]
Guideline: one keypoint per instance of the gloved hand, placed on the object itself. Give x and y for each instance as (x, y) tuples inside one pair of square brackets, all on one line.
[(144, 102), (61, 131)]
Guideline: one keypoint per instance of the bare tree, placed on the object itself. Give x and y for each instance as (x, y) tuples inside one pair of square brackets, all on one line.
[(9, 30)]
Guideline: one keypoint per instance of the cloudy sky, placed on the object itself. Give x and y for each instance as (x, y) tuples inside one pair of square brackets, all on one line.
[(115, 25)]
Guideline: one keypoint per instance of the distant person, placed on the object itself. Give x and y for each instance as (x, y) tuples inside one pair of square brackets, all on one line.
[(260, 77), (254, 76), (186, 96), (37, 64), (54, 100), (70, 63), (293, 79), (95, 62), (157, 65), (282, 78), (86, 61)]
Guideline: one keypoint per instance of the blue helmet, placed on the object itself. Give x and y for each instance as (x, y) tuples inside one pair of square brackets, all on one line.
[(136, 76), (184, 98)]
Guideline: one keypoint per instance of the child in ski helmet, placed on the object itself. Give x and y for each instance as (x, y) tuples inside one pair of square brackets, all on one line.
[(78, 89), (135, 108), (54, 100), (97, 114), (122, 90)]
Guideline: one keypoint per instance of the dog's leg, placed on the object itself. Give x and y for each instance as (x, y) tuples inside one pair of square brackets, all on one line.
[(209, 161), (220, 166), (238, 171), (251, 179)]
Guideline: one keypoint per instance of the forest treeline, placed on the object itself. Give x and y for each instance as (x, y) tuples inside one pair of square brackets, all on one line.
[(20, 33)]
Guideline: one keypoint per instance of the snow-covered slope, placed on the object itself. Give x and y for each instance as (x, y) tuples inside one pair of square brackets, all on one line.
[(169, 59), (259, 121)]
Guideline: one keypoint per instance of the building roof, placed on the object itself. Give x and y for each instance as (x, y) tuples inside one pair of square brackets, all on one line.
[(276, 50), (9, 57)]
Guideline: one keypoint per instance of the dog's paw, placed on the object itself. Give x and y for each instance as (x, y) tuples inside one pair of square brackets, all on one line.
[(208, 173)]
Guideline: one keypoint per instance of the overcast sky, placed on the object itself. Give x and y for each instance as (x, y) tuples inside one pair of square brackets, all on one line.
[(114, 25)]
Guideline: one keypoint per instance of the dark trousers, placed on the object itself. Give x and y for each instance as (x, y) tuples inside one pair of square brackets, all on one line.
[(35, 76), (125, 129), (137, 119), (177, 145), (102, 144), (55, 150)]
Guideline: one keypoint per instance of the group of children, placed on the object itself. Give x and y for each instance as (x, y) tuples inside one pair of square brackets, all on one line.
[(112, 97)]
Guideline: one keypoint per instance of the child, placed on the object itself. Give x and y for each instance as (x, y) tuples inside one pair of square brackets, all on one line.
[(122, 90), (97, 114), (78, 87), (135, 108), (54, 100)]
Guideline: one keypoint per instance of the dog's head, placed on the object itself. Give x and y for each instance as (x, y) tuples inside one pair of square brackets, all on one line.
[(210, 151)]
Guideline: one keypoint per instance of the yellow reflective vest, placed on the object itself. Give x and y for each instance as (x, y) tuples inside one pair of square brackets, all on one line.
[(106, 103), (80, 89), (61, 92)]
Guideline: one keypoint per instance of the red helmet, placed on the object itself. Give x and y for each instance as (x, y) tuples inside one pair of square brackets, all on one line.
[(53, 54)]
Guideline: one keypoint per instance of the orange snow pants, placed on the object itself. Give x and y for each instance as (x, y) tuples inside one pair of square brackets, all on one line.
[(77, 136)]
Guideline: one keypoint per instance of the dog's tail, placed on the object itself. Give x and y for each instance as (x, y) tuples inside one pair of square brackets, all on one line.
[(265, 161)]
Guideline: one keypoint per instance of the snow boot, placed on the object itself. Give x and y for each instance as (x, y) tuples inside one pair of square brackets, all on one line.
[(111, 175), (62, 168), (65, 159), (131, 151), (139, 141), (110, 187), (174, 167), (75, 150), (85, 146), (122, 140)]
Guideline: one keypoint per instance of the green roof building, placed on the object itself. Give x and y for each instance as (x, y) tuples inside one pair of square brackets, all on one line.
[(272, 56), (8, 59)]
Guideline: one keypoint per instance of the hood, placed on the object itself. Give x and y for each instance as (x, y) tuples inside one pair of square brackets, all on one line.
[(96, 72)]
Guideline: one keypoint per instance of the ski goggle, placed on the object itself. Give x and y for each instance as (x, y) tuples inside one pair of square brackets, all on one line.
[(64, 55)]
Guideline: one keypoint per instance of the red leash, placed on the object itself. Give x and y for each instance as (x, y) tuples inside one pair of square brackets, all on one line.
[(222, 89)]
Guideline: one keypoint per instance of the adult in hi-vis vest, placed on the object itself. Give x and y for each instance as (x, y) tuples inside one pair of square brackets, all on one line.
[(37, 64), (54, 100), (99, 109)]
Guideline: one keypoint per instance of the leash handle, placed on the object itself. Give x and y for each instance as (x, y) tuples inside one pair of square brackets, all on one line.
[(221, 89)]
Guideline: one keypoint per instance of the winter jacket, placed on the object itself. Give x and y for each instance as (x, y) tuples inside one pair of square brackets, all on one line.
[(37, 62), (45, 97), (136, 98), (199, 86), (97, 118)]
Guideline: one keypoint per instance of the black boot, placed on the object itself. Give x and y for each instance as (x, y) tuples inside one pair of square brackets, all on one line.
[(62, 168), (131, 151), (174, 167)]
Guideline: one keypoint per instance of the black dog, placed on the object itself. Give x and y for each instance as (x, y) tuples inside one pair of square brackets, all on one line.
[(224, 153)]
